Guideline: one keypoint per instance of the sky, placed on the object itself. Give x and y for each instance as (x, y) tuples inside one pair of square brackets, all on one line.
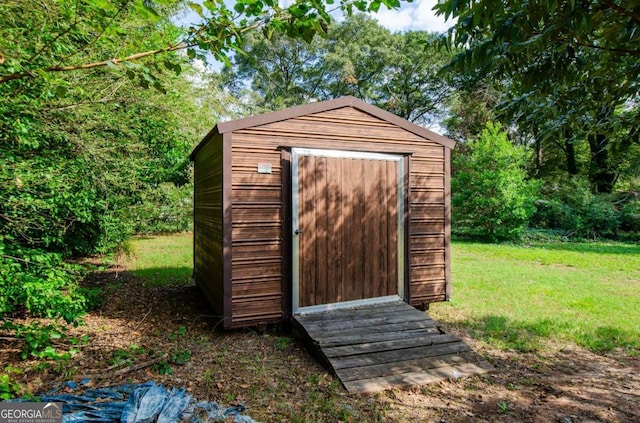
[(412, 16)]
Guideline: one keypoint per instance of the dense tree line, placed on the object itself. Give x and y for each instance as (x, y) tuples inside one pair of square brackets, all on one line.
[(563, 76), (397, 72)]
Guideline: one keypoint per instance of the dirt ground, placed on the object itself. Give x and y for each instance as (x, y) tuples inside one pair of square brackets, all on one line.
[(171, 329)]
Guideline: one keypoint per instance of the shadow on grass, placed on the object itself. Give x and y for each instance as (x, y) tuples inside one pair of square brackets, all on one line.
[(163, 276), (591, 248), (528, 336), (596, 247)]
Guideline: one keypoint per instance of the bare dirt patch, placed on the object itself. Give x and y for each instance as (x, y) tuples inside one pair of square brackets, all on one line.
[(275, 378)]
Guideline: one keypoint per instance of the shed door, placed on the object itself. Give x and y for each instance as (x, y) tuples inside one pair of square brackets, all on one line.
[(348, 228)]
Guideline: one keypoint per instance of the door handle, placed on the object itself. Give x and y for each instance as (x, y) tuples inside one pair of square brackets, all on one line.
[(297, 232)]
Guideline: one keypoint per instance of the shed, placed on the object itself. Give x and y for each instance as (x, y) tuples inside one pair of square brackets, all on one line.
[(320, 206)]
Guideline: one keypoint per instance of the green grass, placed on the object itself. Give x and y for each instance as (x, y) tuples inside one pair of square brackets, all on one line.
[(162, 259), (512, 296), (517, 297)]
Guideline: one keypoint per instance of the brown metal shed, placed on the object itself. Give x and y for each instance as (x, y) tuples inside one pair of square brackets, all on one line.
[(320, 206)]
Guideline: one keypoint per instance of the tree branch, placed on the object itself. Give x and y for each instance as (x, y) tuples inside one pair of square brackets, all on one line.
[(181, 46), (108, 374), (624, 11), (613, 50), (73, 106)]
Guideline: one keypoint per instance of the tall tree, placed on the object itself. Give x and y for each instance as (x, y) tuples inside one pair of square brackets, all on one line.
[(570, 69), (359, 57), (81, 153)]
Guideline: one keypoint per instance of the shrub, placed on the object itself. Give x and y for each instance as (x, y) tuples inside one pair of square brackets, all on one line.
[(572, 207), (630, 216), (167, 209), (39, 283), (492, 197)]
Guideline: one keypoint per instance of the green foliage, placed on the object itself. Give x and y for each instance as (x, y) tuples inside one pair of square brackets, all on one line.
[(125, 357), (8, 388), (166, 209), (630, 216), (75, 35), (358, 57), (503, 407), (567, 76), (180, 356), (470, 111), (39, 282), (80, 154), (572, 207), (492, 197), (162, 368), (38, 339), (180, 333)]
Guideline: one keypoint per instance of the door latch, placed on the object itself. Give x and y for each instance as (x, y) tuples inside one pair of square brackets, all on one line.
[(297, 232)]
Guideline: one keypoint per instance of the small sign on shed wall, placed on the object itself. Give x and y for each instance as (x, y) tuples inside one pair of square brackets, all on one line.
[(264, 167)]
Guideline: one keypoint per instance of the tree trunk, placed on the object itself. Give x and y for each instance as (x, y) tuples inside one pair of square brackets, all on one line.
[(601, 175), (570, 152), (538, 146)]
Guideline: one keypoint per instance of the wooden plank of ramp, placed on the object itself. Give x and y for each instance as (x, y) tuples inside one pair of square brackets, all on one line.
[(386, 345)]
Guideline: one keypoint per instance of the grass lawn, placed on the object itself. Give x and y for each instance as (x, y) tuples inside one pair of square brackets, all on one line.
[(517, 296), (512, 296), (162, 259)]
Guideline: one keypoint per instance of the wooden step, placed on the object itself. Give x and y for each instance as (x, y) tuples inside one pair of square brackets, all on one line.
[(386, 345)]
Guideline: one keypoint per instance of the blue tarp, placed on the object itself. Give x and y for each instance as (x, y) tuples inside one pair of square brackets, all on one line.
[(138, 403)]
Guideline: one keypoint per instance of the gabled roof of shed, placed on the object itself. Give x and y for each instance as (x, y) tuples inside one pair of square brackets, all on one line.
[(323, 106)]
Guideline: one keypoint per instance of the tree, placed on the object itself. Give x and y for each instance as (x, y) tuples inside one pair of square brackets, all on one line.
[(492, 197), (569, 71), (65, 38), (397, 72), (472, 107), (81, 154), (279, 70), (84, 155)]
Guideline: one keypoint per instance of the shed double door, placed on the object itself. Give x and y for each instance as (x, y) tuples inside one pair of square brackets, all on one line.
[(348, 228)]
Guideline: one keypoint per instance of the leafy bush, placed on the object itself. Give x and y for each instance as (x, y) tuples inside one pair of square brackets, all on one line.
[(167, 209), (492, 197), (41, 284), (630, 216), (572, 207), (8, 388)]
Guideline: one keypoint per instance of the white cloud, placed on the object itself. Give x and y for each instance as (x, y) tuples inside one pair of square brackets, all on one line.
[(412, 16)]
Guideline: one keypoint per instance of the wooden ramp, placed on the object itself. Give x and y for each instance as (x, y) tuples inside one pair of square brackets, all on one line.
[(382, 346)]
